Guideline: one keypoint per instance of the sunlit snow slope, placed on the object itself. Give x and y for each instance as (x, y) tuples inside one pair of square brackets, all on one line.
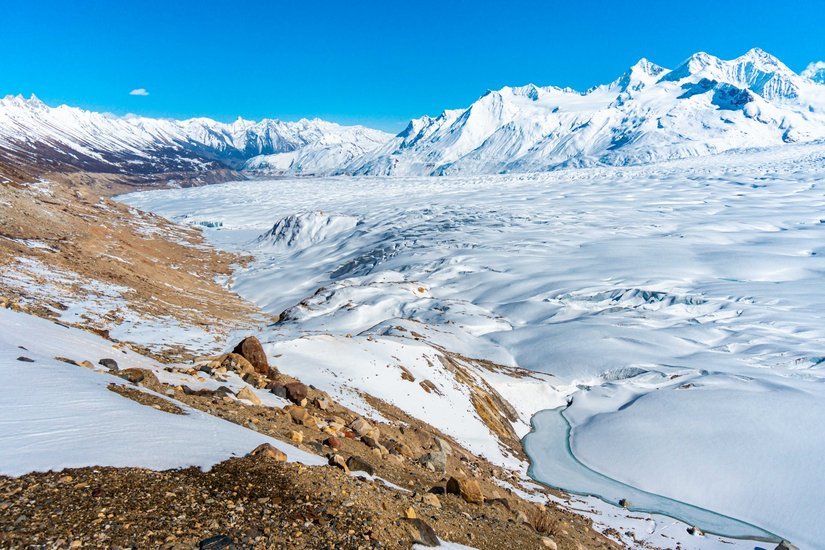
[(58, 138), (678, 307), (705, 105)]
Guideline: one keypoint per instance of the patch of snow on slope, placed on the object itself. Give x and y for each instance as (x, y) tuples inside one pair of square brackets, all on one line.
[(54, 415)]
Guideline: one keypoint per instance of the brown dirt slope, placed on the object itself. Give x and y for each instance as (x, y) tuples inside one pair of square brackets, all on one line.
[(63, 240)]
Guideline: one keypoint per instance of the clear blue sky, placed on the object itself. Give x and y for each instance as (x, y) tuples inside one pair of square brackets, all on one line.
[(378, 63)]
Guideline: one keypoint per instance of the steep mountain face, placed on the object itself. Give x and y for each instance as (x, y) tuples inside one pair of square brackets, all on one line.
[(59, 138), (705, 105), (815, 71)]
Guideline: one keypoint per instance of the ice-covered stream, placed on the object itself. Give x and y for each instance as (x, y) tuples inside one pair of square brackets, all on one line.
[(679, 306)]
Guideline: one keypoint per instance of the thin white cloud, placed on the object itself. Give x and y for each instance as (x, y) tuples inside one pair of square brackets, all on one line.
[(817, 67), (139, 91)]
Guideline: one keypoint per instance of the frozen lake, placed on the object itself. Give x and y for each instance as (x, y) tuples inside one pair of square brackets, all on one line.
[(680, 308)]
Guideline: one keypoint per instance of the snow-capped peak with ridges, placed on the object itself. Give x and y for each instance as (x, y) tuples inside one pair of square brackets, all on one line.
[(34, 133), (705, 105), (815, 71)]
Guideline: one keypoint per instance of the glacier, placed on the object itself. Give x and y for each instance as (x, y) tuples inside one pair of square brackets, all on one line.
[(671, 312)]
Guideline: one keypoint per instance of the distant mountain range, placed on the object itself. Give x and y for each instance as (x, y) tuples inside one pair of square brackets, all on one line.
[(33, 134), (705, 105)]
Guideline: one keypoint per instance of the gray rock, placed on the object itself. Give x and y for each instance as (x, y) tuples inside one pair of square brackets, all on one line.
[(25, 359), (110, 364), (279, 391), (785, 545), (435, 461), (422, 532), (219, 542), (443, 446), (356, 464)]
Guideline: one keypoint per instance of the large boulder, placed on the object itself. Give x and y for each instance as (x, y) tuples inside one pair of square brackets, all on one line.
[(422, 533), (110, 364), (248, 395), (357, 464), (468, 489), (296, 392), (434, 461), (250, 348), (268, 450)]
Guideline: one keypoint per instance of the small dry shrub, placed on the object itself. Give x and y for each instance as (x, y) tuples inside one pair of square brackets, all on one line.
[(542, 521)]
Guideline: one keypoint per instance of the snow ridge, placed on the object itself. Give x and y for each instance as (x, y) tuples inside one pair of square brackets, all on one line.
[(34, 132), (706, 105)]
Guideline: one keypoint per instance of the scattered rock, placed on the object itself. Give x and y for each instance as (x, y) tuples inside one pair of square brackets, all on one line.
[(249, 395), (402, 449), (110, 364), (360, 465), (785, 545), (695, 531), (298, 414), (434, 461), (409, 513), (422, 533), (25, 359), (219, 542), (431, 500), (624, 503), (269, 451), (468, 489), (86, 364), (547, 542), (370, 442), (333, 443), (144, 377), (278, 390), (296, 437), (361, 427), (310, 421), (254, 379), (322, 403), (237, 363), (339, 462), (250, 348), (296, 392), (443, 446)]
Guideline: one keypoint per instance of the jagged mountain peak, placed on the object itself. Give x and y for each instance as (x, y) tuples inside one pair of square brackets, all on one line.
[(815, 71), (104, 142), (703, 106)]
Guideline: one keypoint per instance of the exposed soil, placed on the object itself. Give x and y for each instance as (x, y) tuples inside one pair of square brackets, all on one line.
[(257, 502), (62, 239)]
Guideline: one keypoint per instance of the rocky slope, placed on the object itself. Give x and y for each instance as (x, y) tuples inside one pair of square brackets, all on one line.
[(153, 296)]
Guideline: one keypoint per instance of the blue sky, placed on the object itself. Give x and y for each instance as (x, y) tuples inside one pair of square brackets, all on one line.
[(370, 62)]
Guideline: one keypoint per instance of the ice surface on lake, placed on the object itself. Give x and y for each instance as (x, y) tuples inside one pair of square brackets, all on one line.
[(679, 307)]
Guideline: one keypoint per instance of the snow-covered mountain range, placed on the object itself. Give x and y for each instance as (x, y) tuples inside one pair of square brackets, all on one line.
[(705, 105), (33, 133)]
